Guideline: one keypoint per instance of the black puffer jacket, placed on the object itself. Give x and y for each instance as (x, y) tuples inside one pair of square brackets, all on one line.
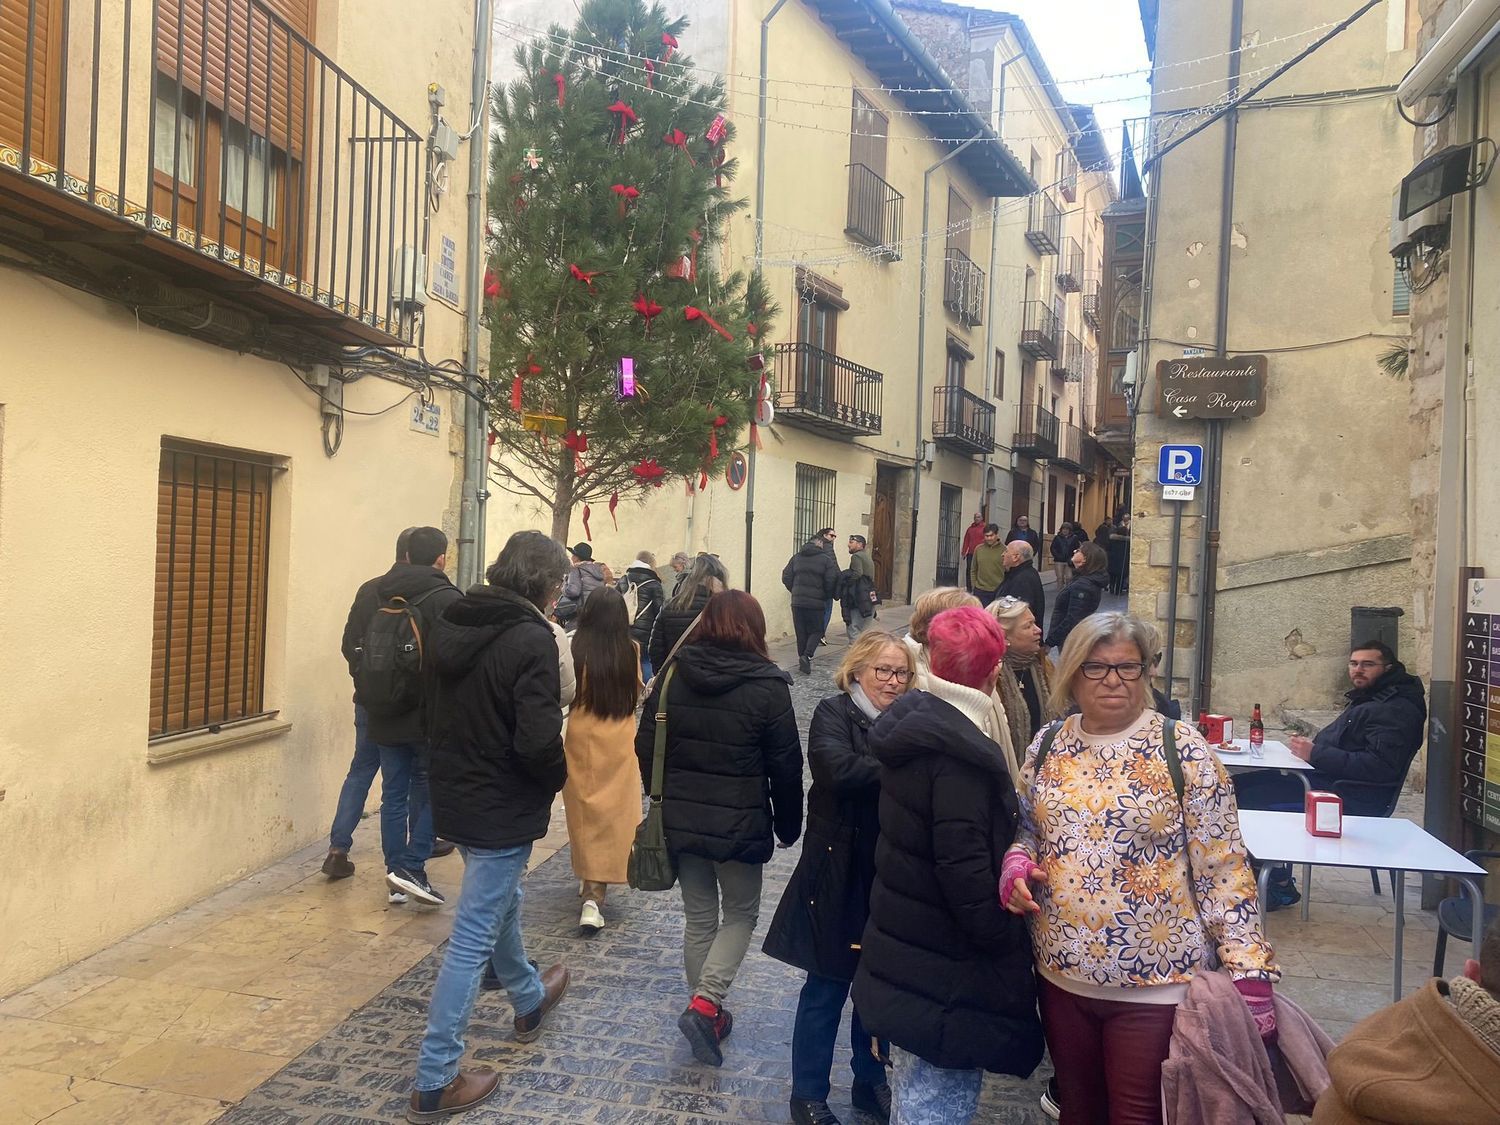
[(648, 601), (822, 914), (669, 626), (946, 971), (812, 575), (1376, 736), (733, 757), (496, 737), (1078, 599)]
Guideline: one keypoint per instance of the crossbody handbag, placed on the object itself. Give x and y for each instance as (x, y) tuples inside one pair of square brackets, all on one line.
[(650, 867)]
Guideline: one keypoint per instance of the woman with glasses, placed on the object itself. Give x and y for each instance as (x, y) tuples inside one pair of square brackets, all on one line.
[(1024, 688), (1130, 864), (822, 914)]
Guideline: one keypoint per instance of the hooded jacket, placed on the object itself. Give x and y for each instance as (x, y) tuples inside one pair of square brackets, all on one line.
[(733, 755), (409, 581), (1377, 734), (812, 575), (580, 581), (945, 971), (648, 601), (497, 750), (1416, 1062), (1077, 600)]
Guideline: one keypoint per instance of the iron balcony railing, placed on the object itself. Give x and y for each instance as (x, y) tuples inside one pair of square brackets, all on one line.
[(962, 421), (963, 288), (211, 132), (1070, 266), (1036, 432), (874, 212), (825, 392), (1091, 306), (1044, 224), (1071, 448), (1039, 330), (1069, 359)]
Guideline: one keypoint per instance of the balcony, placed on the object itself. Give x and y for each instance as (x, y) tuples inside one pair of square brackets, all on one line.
[(1091, 306), (961, 421), (1069, 359), (1036, 432), (825, 392), (1070, 266), (1071, 449), (206, 163), (1039, 338), (963, 288), (874, 212), (1067, 177), (1090, 364), (1044, 224)]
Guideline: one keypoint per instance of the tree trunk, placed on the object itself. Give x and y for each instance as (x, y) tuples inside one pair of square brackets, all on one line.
[(562, 519), (562, 499)]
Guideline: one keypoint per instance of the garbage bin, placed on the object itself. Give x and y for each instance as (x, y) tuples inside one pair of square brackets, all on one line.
[(1376, 623)]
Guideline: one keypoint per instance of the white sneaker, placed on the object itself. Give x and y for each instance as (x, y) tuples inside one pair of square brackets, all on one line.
[(590, 921), (396, 898)]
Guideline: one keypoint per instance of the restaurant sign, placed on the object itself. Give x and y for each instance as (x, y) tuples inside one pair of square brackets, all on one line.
[(1211, 387)]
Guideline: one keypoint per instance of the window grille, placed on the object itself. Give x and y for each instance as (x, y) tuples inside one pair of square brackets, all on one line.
[(813, 504)]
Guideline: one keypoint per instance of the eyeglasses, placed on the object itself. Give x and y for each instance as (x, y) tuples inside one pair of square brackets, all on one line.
[(1368, 664), (1098, 670), (886, 675)]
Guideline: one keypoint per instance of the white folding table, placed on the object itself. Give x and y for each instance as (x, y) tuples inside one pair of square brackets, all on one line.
[(1278, 757), (1368, 841)]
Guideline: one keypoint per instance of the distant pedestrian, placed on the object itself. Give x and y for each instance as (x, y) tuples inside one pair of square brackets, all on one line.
[(830, 537), (857, 588), (1022, 579), (1119, 555), (1083, 594), (1064, 543), (641, 577), (989, 564), (973, 536), (928, 606), (497, 764), (1022, 529), (819, 923), (584, 578), (705, 578), (733, 781), (812, 577), (602, 796), (679, 564)]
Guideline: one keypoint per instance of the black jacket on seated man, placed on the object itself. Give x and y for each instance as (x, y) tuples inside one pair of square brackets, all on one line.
[(1372, 742)]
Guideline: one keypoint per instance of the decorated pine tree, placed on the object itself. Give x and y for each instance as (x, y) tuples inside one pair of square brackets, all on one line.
[(621, 358)]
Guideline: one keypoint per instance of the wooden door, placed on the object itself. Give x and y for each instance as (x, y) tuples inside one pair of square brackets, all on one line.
[(45, 35), (883, 529)]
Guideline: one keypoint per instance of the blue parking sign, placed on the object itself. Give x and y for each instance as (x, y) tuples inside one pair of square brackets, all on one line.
[(1180, 465)]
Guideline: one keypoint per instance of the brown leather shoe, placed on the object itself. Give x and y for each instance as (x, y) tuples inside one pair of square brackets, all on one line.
[(554, 984), (465, 1092), (336, 864)]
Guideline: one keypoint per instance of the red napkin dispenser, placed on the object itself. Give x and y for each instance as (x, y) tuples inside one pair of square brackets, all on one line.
[(1325, 814), (1218, 728)]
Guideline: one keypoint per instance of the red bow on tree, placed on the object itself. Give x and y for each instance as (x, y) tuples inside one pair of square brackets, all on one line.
[(491, 285), (585, 276), (648, 309), (614, 502), (627, 118), (669, 41), (691, 313), (562, 89), (576, 440), (650, 74), (678, 139), (530, 367), (718, 423), (647, 471), (627, 194)]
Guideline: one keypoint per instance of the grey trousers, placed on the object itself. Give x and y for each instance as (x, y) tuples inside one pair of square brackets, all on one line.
[(858, 623), (713, 948)]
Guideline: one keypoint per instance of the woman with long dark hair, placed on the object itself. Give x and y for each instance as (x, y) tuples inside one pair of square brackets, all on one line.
[(602, 797), (732, 788), (701, 581)]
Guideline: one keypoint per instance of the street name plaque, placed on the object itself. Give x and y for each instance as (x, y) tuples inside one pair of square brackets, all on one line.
[(1211, 387)]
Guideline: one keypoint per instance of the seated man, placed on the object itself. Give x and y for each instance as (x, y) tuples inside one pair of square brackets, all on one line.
[(1433, 1056)]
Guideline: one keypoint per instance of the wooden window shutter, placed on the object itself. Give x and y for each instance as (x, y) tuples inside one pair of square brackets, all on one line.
[(267, 67), (208, 641), (868, 135), (15, 18), (959, 217)]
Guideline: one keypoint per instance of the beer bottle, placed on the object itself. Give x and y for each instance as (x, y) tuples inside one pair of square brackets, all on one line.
[(1257, 734)]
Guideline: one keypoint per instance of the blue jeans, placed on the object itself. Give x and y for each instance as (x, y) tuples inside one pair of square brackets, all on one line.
[(486, 927), (356, 784), (405, 809), (814, 1033), (646, 670), (923, 1094)]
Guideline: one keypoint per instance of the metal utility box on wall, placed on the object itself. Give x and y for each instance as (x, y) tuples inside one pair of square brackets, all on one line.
[(1376, 623)]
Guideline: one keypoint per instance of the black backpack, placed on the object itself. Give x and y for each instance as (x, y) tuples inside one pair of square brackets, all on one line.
[(388, 661)]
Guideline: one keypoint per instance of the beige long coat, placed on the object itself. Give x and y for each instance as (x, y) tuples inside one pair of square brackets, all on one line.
[(602, 796)]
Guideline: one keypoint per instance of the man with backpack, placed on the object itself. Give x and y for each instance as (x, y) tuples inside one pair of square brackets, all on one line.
[(583, 579), (641, 587), (388, 627), (857, 596)]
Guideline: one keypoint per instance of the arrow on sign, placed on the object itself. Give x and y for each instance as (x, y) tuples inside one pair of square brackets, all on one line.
[(1180, 412)]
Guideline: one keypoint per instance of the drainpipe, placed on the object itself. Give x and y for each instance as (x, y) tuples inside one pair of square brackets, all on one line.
[(989, 324), (1213, 459), (760, 246), (476, 418), (916, 492)]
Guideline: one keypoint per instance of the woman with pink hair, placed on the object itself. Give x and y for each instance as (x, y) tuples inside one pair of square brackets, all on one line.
[(945, 972)]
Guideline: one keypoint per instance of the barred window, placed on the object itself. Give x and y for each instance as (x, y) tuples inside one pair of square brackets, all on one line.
[(212, 551), (813, 504)]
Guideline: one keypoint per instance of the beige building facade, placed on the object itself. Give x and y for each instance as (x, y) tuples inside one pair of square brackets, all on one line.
[(1267, 233), (214, 308)]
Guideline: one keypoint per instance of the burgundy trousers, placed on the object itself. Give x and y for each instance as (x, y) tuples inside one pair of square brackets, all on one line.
[(1108, 1055)]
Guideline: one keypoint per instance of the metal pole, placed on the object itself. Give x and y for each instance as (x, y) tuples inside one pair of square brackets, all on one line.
[(476, 418), (1172, 595), (760, 246)]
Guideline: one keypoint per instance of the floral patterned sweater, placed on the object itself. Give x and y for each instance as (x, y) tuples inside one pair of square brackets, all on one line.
[(1142, 889)]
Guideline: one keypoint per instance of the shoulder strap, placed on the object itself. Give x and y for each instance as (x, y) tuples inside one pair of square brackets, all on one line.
[(1174, 760), (1049, 736), (659, 755)]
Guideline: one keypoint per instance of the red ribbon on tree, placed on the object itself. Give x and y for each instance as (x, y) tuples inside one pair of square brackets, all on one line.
[(491, 285), (585, 276), (614, 502), (647, 471), (627, 194), (718, 423), (587, 534), (627, 118), (648, 309), (702, 480), (562, 89), (669, 41), (691, 313), (650, 74), (530, 367), (576, 440), (678, 139)]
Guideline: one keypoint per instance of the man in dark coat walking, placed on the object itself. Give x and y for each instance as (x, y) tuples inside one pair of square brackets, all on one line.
[(812, 576), (1022, 579), (1025, 532)]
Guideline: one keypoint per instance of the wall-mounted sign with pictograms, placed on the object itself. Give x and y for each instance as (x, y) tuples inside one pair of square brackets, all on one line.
[(1211, 387), (738, 471), (1479, 688)]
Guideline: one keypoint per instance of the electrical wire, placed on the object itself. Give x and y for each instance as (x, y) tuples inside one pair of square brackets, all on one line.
[(1313, 346)]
